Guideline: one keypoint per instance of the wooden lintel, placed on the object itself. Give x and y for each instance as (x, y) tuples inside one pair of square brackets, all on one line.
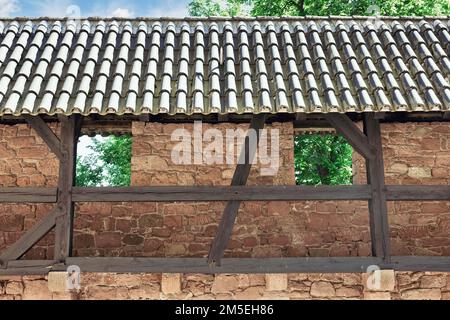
[(357, 139), (43, 130), (30, 238), (240, 177)]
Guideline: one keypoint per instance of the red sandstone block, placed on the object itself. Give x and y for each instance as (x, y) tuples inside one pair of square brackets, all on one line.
[(173, 221), (210, 230), (281, 240), (33, 152), (144, 207), (8, 180), (11, 223), (84, 240), (179, 209), (434, 207), (150, 220), (161, 232), (431, 144), (132, 239), (108, 240), (21, 142), (123, 225), (278, 207), (317, 222), (250, 241), (152, 245)]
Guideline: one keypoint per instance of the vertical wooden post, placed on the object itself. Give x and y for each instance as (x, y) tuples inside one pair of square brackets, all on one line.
[(379, 227), (64, 222)]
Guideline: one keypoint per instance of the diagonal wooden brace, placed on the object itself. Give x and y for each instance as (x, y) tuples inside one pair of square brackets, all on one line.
[(31, 237), (240, 177), (45, 133), (357, 139)]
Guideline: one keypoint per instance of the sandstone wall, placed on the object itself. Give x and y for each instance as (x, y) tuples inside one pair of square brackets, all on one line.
[(394, 286), (414, 153)]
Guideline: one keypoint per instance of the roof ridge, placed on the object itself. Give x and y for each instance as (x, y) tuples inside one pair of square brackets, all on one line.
[(234, 18)]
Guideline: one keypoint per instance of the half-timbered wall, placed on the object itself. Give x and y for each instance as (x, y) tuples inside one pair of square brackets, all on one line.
[(414, 153)]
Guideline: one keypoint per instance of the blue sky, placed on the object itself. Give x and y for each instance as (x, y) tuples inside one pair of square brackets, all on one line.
[(87, 8)]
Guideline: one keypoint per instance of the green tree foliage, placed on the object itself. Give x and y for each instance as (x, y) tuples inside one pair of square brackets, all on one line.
[(108, 165), (88, 172), (322, 159), (208, 8), (349, 7), (318, 7)]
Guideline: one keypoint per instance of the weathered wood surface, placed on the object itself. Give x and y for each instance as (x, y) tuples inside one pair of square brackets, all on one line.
[(417, 192), (230, 265), (379, 227), (357, 139), (204, 193), (64, 223), (27, 194), (207, 193)]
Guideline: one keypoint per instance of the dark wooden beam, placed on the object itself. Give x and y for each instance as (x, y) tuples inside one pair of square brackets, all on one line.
[(27, 194), (43, 130), (351, 133), (229, 193), (228, 265), (78, 126), (29, 267), (30, 238), (379, 227), (240, 177), (419, 263), (64, 223), (417, 192)]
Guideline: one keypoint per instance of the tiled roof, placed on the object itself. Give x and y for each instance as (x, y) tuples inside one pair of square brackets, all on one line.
[(214, 65)]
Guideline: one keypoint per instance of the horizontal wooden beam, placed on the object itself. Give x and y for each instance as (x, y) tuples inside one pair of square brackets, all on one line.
[(228, 193), (228, 265), (28, 194), (417, 192), (29, 267), (244, 193), (419, 263)]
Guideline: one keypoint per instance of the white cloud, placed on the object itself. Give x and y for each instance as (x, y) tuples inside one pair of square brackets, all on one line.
[(122, 13), (8, 7)]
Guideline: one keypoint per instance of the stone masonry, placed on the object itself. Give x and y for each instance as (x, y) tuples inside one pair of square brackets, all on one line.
[(414, 153)]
